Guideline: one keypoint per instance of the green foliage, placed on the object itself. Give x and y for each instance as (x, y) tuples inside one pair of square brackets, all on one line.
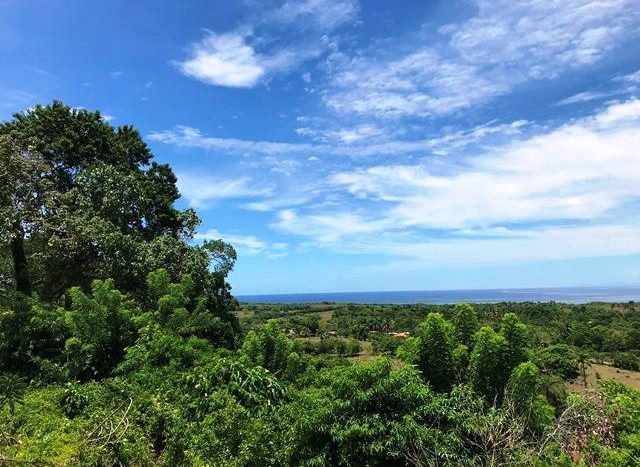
[(74, 399), (465, 323), (524, 385), (524, 393), (85, 201), (32, 337), (252, 385), (367, 414), (409, 350), (101, 327), (488, 368), (267, 347), (182, 308), (560, 359), (460, 360), (353, 347), (626, 361), (12, 388), (516, 334), (384, 344), (435, 358)]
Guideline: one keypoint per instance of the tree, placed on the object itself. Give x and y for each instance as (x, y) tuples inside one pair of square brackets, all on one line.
[(111, 201), (583, 362), (523, 393), (465, 323), (489, 369), (101, 328), (517, 337), (25, 202), (460, 359), (267, 347), (436, 347), (524, 385), (184, 308)]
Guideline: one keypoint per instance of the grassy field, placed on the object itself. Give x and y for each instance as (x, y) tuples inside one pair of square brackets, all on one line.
[(598, 371)]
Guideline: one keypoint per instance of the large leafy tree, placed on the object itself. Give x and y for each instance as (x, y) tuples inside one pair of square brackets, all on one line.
[(26, 199), (114, 213)]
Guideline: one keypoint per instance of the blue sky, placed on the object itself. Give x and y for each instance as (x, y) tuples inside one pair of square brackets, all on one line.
[(346, 145)]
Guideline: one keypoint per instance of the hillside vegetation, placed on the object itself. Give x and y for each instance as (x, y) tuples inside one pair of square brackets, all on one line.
[(121, 343)]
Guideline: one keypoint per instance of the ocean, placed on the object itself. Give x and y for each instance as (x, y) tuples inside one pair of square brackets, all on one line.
[(559, 294)]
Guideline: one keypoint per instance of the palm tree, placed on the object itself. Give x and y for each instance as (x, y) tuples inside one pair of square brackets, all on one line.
[(583, 362)]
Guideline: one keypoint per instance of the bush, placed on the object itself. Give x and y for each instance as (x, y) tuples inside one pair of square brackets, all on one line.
[(626, 361), (560, 359)]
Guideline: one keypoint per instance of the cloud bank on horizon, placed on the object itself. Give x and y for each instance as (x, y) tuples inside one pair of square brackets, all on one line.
[(403, 144)]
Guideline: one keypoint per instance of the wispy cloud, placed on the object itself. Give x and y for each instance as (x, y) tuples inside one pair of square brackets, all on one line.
[(501, 46), (324, 15), (248, 244), (203, 191), (358, 141), (325, 227), (532, 192), (422, 84), (541, 39), (16, 98), (347, 135), (185, 136), (629, 78), (582, 97), (542, 244), (248, 55)]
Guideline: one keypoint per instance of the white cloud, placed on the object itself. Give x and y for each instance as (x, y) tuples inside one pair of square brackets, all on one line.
[(630, 78), (16, 98), (248, 55), (579, 171), (526, 200), (358, 141), (117, 74), (625, 112), (581, 97), (201, 191), (541, 38), (247, 244), (503, 45), (326, 227), (546, 244), (347, 135), (422, 83), (185, 136), (321, 14), (223, 60), (282, 166)]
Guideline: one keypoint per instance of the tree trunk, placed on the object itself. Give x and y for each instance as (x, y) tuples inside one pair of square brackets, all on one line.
[(20, 262)]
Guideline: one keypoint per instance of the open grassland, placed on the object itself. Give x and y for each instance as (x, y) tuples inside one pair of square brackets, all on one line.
[(598, 371)]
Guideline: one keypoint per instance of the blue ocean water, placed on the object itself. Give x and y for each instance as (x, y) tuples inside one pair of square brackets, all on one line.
[(558, 294)]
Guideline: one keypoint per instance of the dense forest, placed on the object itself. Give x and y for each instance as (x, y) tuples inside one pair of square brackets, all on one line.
[(121, 343)]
